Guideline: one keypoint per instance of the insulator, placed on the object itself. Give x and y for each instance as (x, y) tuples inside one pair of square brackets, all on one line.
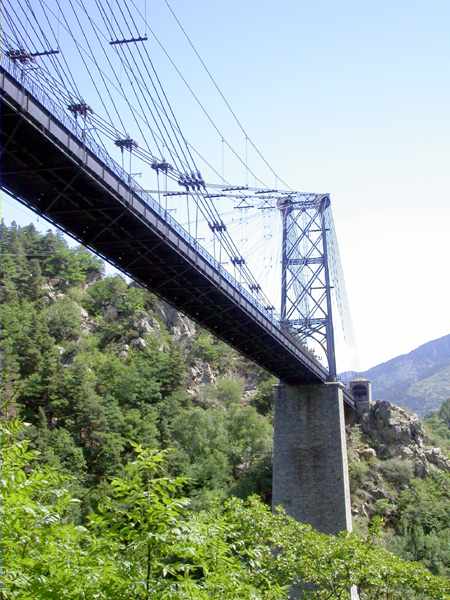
[(20, 55), (199, 179), (44, 53), (191, 181), (161, 166), (80, 108), (217, 226), (126, 143)]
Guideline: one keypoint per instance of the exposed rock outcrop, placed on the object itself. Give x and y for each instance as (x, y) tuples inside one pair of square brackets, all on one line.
[(391, 428), (393, 432), (390, 452), (181, 327), (201, 373)]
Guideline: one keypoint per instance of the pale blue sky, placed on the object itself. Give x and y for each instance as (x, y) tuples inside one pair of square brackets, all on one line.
[(346, 97)]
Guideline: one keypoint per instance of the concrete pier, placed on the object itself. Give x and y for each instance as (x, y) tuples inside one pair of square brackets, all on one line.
[(310, 470)]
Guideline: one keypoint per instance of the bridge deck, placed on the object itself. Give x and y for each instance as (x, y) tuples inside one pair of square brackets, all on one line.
[(47, 166)]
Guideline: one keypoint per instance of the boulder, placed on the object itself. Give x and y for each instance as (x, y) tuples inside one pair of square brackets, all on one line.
[(202, 373), (367, 453), (436, 457), (138, 343), (394, 432), (111, 313), (144, 324), (392, 428)]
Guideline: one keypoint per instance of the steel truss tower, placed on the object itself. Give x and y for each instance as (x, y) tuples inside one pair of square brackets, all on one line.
[(306, 305)]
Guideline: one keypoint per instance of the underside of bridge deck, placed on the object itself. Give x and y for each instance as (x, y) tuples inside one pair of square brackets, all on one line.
[(47, 168)]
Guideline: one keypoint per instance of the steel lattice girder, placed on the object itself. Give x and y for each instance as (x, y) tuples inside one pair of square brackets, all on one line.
[(306, 288)]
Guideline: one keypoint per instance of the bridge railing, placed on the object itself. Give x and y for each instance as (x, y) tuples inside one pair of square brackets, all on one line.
[(84, 137)]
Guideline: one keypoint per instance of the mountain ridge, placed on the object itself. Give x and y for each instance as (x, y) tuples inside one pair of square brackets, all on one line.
[(418, 380)]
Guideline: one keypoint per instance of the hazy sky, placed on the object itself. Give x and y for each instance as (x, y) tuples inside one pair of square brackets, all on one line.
[(350, 98)]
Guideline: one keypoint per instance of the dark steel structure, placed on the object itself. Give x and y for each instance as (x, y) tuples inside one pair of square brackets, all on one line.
[(306, 305), (48, 165)]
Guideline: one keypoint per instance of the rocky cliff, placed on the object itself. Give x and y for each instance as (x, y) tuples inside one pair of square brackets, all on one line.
[(388, 449)]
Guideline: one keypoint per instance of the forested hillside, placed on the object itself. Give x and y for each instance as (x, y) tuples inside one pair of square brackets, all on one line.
[(137, 456), (94, 364)]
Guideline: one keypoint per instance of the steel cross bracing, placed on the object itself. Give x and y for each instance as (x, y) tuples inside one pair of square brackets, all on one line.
[(306, 305)]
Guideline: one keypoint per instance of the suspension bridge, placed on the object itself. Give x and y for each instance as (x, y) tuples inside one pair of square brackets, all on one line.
[(85, 114)]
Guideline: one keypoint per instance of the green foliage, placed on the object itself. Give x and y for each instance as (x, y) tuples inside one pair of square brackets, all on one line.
[(216, 448), (211, 350), (143, 542), (397, 471), (250, 437), (416, 511), (139, 514), (114, 292), (200, 439), (437, 426), (424, 523), (225, 392), (57, 448), (45, 553), (85, 396), (384, 508), (444, 412), (358, 471), (89, 365), (63, 319), (263, 398)]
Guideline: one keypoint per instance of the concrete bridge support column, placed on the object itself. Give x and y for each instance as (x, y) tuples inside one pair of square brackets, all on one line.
[(310, 472)]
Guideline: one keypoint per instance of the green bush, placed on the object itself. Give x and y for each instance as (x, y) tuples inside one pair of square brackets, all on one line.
[(209, 349), (397, 471), (63, 320), (228, 391), (358, 470), (142, 541), (263, 398)]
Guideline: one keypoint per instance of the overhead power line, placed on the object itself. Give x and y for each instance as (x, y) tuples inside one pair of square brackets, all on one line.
[(144, 82), (199, 102), (222, 95)]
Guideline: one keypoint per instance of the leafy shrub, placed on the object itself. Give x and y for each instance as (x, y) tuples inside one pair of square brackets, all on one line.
[(114, 291), (228, 391), (143, 542), (384, 507), (63, 319), (358, 470), (263, 398), (212, 351), (397, 471)]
